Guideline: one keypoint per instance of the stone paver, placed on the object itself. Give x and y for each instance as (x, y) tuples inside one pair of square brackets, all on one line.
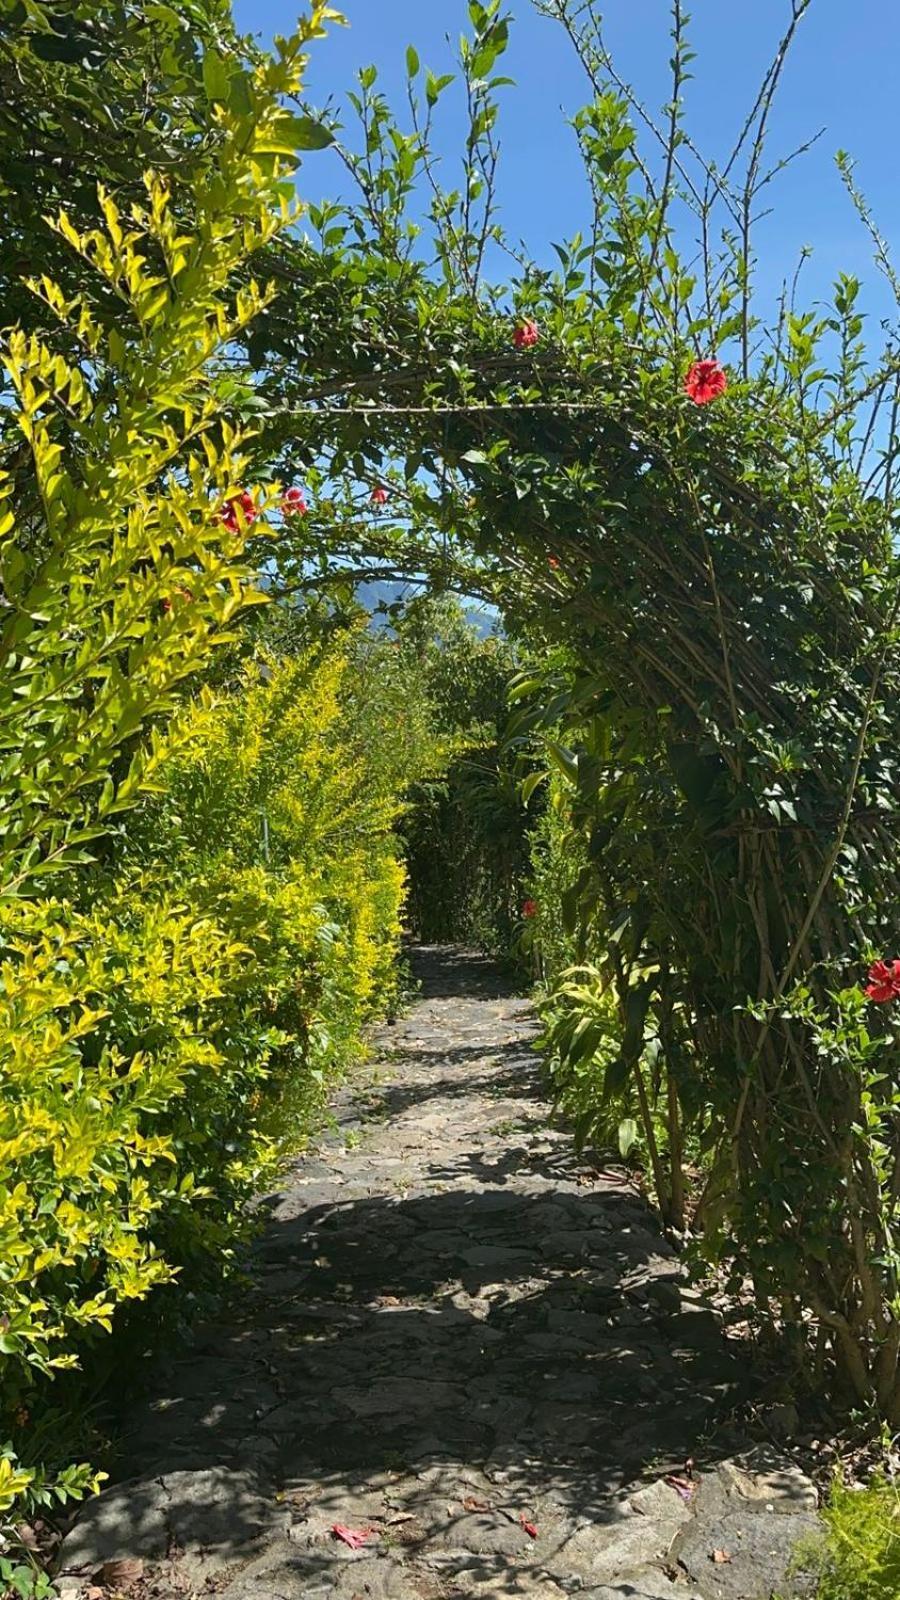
[(452, 1327)]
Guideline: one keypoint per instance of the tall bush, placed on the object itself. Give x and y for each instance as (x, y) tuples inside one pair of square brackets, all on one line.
[(99, 90), (167, 1036), (123, 564)]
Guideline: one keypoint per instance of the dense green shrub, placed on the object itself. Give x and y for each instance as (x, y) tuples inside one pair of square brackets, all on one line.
[(465, 831), (169, 1036), (859, 1558), (130, 1026), (556, 863), (98, 90)]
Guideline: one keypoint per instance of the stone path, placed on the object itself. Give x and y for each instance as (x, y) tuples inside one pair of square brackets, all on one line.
[(466, 1344)]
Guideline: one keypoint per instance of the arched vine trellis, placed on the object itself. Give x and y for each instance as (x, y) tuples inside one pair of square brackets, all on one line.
[(718, 591)]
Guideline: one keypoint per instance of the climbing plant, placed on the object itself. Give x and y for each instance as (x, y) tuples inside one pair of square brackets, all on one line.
[(697, 510)]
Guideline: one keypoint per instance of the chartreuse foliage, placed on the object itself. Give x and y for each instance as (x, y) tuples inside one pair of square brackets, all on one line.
[(162, 1047), (139, 1016), (140, 1034), (116, 512), (859, 1557)]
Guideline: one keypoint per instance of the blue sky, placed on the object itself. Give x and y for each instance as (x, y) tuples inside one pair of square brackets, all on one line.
[(843, 75)]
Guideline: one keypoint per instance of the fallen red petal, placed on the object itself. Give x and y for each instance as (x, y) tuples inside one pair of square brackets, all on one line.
[(529, 1527), (354, 1537)]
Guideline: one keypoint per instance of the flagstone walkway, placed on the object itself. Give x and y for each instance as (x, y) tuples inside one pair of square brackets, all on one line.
[(465, 1348)]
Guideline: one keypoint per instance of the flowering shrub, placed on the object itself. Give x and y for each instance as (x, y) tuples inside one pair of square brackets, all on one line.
[(884, 981), (294, 503), (240, 511)]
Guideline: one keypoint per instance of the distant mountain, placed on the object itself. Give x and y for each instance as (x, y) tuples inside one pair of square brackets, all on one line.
[(484, 619)]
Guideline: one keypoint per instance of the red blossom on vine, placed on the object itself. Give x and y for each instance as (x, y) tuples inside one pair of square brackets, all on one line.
[(529, 908), (553, 563), (884, 982), (526, 334), (294, 503), (705, 381), (379, 495)]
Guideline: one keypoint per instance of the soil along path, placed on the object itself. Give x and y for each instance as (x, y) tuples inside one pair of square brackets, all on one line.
[(462, 1352)]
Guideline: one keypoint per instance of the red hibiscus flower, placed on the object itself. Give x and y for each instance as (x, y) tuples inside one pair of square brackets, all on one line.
[(884, 982), (525, 335), (529, 908), (243, 502), (553, 563), (294, 503), (705, 381), (379, 495)]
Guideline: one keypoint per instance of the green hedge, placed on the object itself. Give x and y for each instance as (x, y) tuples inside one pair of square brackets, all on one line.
[(169, 1033)]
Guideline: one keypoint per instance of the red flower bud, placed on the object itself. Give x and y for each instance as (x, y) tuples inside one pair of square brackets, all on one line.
[(525, 334), (380, 495)]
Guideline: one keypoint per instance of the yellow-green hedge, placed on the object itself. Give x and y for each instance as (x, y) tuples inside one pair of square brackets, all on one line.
[(166, 1035)]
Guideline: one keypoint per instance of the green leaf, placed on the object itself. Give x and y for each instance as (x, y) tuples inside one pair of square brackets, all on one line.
[(305, 133), (412, 62), (529, 784), (563, 759), (434, 87), (584, 1127), (239, 97), (216, 76), (628, 1134)]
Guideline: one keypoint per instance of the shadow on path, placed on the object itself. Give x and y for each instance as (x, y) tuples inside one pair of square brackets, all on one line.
[(448, 1329)]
